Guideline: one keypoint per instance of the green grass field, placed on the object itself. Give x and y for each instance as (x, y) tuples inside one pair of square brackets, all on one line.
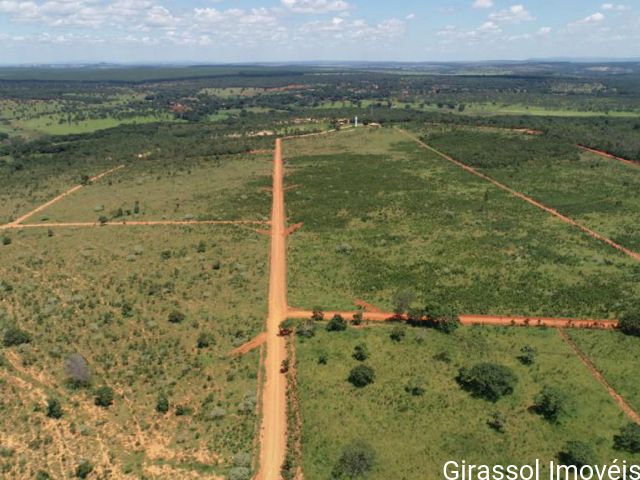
[(413, 436), (595, 191), (225, 188), (382, 215)]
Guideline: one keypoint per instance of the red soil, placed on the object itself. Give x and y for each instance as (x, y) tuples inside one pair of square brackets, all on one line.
[(250, 345)]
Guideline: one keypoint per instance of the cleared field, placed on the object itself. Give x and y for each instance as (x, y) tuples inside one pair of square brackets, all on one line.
[(413, 436), (381, 216), (597, 192), (225, 188), (153, 312)]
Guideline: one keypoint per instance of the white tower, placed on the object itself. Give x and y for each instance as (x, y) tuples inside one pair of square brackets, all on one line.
[(356, 121)]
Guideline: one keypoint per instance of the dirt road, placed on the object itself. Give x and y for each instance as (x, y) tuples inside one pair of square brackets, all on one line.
[(60, 197), (491, 320), (274, 401), (609, 155), (626, 408), (522, 196)]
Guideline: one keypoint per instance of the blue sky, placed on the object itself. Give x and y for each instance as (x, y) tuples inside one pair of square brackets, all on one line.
[(47, 31)]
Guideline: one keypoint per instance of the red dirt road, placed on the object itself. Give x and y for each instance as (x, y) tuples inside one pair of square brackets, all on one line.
[(60, 197), (250, 345), (489, 320), (626, 408), (608, 155), (273, 433), (522, 196)]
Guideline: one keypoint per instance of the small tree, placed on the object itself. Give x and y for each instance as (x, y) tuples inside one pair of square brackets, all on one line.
[(398, 333), (361, 352), (103, 219), (83, 469), (306, 329), (357, 459), (317, 314), (104, 397), (202, 247), (630, 324), (205, 340), (358, 319), (6, 240), (14, 336), (527, 355), (162, 403), (337, 324), (578, 454), (628, 439), (176, 317), (415, 388), (285, 328), (77, 369), (551, 403), (361, 376), (488, 380), (54, 408)]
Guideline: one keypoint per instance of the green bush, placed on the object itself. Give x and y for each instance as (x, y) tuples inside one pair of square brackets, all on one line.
[(527, 355), (361, 376), (577, 453), (162, 403), (630, 324), (14, 336), (498, 422), (628, 439), (488, 380), (361, 352), (551, 403), (337, 324), (398, 333), (6, 240), (357, 459), (83, 469), (176, 317), (104, 396), (205, 340), (54, 408)]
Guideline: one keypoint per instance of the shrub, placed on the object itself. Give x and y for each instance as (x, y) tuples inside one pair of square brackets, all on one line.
[(6, 240), (306, 329), (578, 454), (104, 397), (83, 469), (42, 475), (162, 403), (205, 340), (361, 352), (183, 410), (358, 318), (415, 388), (361, 376), (398, 333), (488, 380), (318, 314), (14, 336), (54, 408), (337, 324), (103, 219), (443, 319), (357, 459), (628, 439), (527, 355), (630, 324), (77, 369), (551, 403), (176, 317), (498, 422), (239, 473), (323, 359)]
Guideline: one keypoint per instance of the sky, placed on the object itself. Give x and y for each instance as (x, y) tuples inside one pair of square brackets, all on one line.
[(222, 31)]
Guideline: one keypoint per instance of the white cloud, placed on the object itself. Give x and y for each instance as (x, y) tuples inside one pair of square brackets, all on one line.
[(544, 31), (483, 4), (593, 19), (411, 16), (340, 29), (316, 6), (615, 7), (514, 14)]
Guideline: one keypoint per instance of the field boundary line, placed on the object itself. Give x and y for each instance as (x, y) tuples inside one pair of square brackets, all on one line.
[(42, 207), (151, 223), (622, 403), (602, 153), (470, 319), (526, 198)]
